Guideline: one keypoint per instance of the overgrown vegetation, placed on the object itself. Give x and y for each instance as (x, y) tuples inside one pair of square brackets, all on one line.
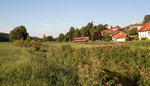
[(52, 65)]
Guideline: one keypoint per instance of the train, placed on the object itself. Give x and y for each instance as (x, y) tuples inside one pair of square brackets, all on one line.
[(81, 39)]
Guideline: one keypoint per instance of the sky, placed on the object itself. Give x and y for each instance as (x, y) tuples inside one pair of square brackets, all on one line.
[(52, 17)]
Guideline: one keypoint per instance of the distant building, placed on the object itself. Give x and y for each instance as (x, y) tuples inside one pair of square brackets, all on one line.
[(138, 26), (144, 32), (108, 26), (119, 36), (116, 28)]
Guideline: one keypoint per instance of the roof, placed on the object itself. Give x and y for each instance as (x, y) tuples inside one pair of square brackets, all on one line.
[(145, 28), (116, 27), (141, 24), (120, 35)]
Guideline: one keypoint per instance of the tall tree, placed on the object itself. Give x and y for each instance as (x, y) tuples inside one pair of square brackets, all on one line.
[(77, 33), (50, 38), (100, 27), (66, 39), (71, 32), (88, 27), (18, 33), (61, 37), (146, 19), (84, 32), (106, 36), (92, 31), (44, 38)]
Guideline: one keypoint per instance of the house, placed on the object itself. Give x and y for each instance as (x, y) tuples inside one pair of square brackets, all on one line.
[(108, 26), (144, 32), (119, 36), (138, 26), (116, 28)]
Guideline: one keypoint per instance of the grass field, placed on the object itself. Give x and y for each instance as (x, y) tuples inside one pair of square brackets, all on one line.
[(66, 64)]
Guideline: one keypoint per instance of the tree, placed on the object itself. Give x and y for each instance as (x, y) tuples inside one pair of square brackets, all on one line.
[(92, 31), (50, 38), (77, 33), (18, 33), (66, 39), (84, 32), (88, 27), (71, 32), (133, 31), (100, 27), (61, 37), (97, 35), (146, 19), (44, 38), (107, 36)]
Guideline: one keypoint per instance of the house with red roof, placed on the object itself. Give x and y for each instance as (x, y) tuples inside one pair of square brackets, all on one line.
[(119, 36), (138, 26), (117, 28), (144, 32)]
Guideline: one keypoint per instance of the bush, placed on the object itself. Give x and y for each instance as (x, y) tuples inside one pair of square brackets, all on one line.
[(18, 33), (134, 38), (144, 38)]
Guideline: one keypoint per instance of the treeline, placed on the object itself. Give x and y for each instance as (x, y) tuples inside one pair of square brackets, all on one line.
[(90, 30), (4, 37)]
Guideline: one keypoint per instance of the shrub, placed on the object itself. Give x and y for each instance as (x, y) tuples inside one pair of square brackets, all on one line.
[(35, 45), (144, 38), (18, 33)]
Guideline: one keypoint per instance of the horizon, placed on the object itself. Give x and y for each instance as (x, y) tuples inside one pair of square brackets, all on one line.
[(55, 17)]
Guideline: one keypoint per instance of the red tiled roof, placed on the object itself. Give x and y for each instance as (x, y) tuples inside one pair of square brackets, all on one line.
[(145, 28), (141, 24), (116, 27), (120, 35)]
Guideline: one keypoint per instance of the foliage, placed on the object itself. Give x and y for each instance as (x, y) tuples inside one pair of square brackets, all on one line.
[(134, 38), (133, 31), (50, 38), (61, 37), (106, 36), (143, 38), (77, 33), (18, 33), (146, 19), (97, 35), (108, 64), (44, 38)]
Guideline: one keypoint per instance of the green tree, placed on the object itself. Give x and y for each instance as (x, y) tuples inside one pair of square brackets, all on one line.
[(106, 36), (146, 19), (66, 39), (50, 38), (133, 31), (61, 37), (77, 33), (84, 32), (100, 27), (44, 38), (18, 33), (71, 32), (92, 31)]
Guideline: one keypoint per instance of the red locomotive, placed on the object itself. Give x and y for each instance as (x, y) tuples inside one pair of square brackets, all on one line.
[(81, 39)]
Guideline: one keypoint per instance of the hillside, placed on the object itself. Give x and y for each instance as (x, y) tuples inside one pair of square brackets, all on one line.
[(4, 37)]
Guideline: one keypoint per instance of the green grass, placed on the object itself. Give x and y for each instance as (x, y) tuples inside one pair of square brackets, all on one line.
[(58, 65)]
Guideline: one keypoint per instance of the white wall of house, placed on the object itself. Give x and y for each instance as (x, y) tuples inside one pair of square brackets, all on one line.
[(144, 34), (120, 39), (138, 27)]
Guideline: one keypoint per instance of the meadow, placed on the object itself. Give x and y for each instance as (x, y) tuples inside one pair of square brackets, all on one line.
[(75, 64)]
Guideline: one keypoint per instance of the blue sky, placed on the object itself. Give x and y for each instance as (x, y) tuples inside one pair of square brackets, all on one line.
[(52, 17)]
